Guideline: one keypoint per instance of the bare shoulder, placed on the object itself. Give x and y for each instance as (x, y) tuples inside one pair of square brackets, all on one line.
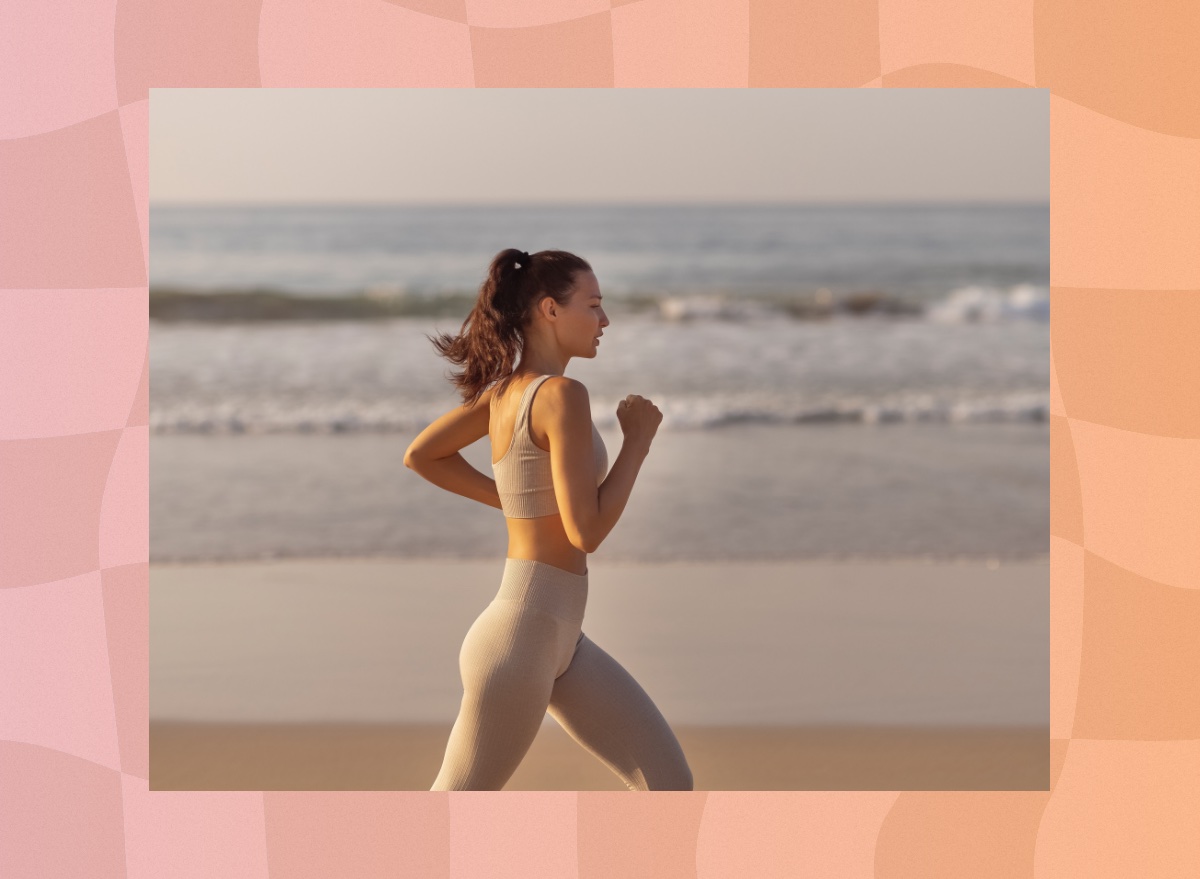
[(564, 399), (564, 391)]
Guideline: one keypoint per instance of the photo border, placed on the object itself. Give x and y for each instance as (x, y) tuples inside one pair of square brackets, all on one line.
[(74, 439)]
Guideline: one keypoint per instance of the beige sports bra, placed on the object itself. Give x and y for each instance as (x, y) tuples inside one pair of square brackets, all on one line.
[(523, 476)]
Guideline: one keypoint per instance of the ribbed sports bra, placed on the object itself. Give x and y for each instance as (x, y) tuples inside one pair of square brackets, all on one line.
[(523, 476)]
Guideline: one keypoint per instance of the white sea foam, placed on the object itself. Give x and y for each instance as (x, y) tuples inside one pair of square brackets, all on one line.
[(703, 374), (979, 304)]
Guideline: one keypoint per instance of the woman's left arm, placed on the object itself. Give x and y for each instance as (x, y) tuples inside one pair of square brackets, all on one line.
[(434, 454)]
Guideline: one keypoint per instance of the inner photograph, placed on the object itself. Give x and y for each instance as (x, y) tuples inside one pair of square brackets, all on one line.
[(599, 439)]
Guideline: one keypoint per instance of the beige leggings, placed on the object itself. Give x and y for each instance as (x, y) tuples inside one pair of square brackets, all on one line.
[(526, 654)]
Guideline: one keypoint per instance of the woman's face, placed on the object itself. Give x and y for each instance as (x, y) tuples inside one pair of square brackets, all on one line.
[(582, 319)]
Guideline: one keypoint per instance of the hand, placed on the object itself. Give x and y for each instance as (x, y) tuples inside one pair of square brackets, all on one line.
[(639, 419)]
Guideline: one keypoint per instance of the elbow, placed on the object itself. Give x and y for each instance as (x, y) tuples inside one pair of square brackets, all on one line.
[(410, 459), (586, 543)]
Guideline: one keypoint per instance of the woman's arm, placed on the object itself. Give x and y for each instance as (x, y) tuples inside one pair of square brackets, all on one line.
[(434, 454), (588, 513)]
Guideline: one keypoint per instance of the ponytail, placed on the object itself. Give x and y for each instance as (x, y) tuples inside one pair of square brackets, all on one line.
[(493, 334)]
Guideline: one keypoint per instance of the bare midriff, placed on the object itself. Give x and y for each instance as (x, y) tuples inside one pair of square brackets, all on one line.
[(544, 539)]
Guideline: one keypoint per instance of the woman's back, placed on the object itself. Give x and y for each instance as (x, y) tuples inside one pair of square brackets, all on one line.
[(525, 483)]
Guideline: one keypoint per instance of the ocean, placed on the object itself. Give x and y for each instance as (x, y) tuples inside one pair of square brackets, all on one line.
[(876, 374)]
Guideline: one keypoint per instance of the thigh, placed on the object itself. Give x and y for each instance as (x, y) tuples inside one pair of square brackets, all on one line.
[(508, 662), (603, 708)]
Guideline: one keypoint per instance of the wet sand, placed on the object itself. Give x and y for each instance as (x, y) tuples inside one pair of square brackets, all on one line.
[(742, 492), (798, 643)]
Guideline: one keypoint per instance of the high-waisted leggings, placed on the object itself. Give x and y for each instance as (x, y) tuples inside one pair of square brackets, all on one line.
[(526, 654)]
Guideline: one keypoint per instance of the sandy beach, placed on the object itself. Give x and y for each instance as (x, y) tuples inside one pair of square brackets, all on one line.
[(406, 757), (343, 673)]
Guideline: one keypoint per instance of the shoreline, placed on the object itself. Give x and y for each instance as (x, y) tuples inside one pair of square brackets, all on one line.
[(738, 494)]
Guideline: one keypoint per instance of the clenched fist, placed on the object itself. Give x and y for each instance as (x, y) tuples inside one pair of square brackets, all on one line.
[(639, 419)]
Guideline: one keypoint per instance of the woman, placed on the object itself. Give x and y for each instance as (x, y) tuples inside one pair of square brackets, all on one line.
[(526, 654)]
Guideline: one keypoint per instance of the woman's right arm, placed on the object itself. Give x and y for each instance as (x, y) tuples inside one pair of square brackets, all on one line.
[(589, 512)]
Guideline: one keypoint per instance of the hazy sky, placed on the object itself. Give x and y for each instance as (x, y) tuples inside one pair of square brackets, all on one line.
[(590, 145)]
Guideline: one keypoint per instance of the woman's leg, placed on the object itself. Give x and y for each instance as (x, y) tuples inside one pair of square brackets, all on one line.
[(508, 662), (604, 709)]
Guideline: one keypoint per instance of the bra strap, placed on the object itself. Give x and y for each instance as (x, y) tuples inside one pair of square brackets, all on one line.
[(523, 413)]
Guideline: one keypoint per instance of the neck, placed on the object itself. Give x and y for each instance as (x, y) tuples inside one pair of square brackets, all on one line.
[(542, 366)]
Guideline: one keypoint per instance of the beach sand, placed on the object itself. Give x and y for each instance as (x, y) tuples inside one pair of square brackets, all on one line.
[(342, 674), (187, 756)]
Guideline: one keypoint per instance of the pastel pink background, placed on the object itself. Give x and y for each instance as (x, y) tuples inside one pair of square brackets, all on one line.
[(1125, 437)]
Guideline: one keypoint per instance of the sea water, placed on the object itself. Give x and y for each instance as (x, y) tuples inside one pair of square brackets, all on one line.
[(834, 379)]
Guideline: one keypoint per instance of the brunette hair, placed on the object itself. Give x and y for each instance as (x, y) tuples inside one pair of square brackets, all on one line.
[(494, 332)]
